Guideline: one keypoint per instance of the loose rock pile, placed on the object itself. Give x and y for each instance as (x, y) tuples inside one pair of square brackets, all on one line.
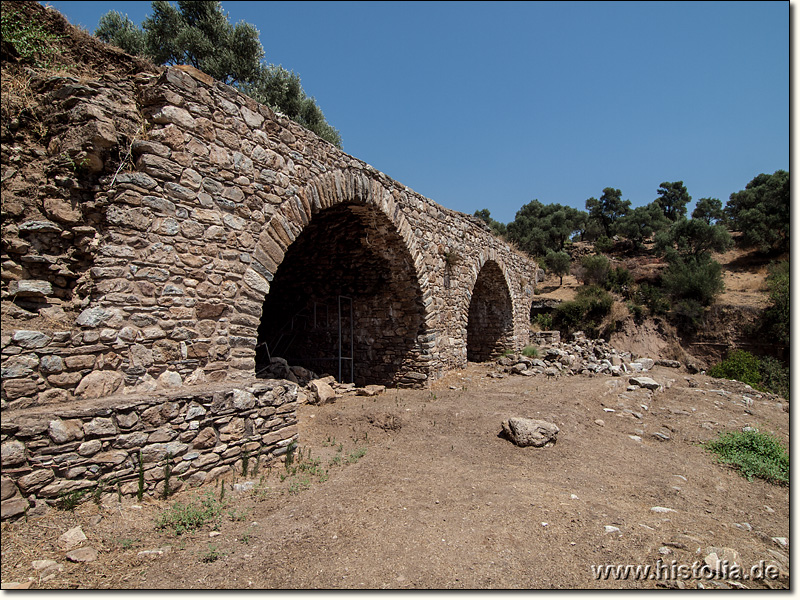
[(582, 356)]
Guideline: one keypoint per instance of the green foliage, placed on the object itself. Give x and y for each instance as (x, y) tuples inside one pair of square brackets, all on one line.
[(594, 269), (213, 554), (69, 501), (282, 91), (709, 210), (754, 454), (776, 316), (761, 212), (530, 351), (199, 33), (356, 455), (688, 313), (117, 29), (288, 458), (182, 518), (34, 44), (544, 321), (609, 209), (693, 279), (557, 263), (592, 303), (774, 376), (693, 238), (641, 222), (672, 200), (739, 365), (766, 374), (498, 228), (653, 298), (538, 227), (637, 311), (620, 280), (603, 244)]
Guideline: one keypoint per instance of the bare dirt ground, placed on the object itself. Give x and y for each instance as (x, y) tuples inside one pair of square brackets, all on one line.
[(427, 495)]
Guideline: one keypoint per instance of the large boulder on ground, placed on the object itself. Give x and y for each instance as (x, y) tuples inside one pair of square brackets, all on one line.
[(530, 432)]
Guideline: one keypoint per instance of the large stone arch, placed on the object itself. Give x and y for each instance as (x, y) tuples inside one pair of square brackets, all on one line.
[(489, 311), (342, 244)]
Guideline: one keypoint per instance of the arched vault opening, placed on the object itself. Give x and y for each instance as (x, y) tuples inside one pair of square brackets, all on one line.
[(345, 301), (490, 326)]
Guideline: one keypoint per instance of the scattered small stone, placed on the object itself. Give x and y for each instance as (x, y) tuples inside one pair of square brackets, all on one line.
[(715, 557), (600, 422), (781, 541), (635, 438), (82, 555), (611, 529), (662, 509), (645, 382), (665, 550), (41, 565), (72, 538), (16, 585), (213, 534)]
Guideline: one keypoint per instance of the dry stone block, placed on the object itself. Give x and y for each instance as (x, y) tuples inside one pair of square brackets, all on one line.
[(35, 480), (7, 488), (100, 426), (12, 454), (13, 507), (62, 432)]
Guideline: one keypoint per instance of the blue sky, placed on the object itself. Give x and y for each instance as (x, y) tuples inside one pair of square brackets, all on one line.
[(494, 104)]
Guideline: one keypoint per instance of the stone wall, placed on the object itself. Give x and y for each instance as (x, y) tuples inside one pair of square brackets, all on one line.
[(178, 439), (181, 215)]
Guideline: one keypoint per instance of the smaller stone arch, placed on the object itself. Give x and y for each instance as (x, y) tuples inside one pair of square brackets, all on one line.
[(490, 313)]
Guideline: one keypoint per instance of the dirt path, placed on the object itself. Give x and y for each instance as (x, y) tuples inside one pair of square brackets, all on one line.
[(439, 500)]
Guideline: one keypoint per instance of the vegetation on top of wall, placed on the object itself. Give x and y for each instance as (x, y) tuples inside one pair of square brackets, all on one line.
[(32, 42), (199, 33)]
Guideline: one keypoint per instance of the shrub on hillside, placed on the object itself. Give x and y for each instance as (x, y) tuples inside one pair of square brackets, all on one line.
[(765, 374), (776, 316), (620, 281), (594, 269), (653, 298), (754, 454), (591, 305), (739, 365), (693, 279)]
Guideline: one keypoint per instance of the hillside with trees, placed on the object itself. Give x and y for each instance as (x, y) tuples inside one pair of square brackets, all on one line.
[(656, 262)]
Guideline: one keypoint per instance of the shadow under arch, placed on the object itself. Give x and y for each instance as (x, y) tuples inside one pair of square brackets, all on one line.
[(490, 316), (345, 298)]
